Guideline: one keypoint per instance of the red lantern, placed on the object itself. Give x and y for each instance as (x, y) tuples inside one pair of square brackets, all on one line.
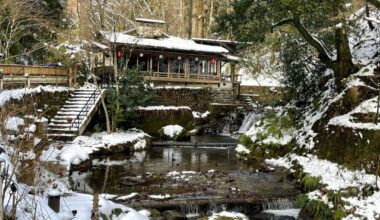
[(212, 61), (119, 54)]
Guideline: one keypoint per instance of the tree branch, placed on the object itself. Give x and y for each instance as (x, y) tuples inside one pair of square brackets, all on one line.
[(375, 3), (324, 54)]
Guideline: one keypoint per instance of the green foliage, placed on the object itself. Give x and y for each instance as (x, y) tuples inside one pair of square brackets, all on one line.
[(310, 183), (251, 20), (116, 212), (318, 210), (245, 140), (339, 214), (133, 92), (103, 216), (274, 124), (335, 198), (301, 74), (57, 55), (301, 200), (33, 23)]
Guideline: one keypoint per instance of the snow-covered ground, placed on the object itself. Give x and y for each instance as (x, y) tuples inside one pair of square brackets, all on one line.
[(17, 94), (81, 148), (347, 120), (82, 203), (336, 177), (36, 206)]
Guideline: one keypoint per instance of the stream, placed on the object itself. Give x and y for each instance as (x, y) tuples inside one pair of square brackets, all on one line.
[(195, 181)]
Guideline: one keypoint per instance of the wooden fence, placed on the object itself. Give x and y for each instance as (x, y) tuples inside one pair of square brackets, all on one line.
[(17, 75)]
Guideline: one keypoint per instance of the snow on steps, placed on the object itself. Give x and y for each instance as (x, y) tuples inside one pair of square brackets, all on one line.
[(74, 116)]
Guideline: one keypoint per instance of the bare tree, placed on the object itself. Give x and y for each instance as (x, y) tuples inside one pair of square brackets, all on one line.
[(18, 18)]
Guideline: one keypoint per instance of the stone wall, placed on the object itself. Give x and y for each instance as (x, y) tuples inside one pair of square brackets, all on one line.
[(196, 99)]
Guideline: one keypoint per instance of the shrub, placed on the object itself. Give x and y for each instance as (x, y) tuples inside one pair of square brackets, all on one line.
[(116, 212), (339, 214), (335, 198), (246, 141), (301, 200), (318, 210), (310, 183)]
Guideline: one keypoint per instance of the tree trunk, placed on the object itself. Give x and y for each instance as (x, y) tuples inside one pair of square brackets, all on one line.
[(106, 115), (344, 65), (190, 31)]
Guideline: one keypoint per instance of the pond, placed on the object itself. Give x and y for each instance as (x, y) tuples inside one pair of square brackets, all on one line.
[(207, 178)]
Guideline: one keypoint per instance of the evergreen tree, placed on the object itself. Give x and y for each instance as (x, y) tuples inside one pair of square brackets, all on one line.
[(133, 92), (320, 23)]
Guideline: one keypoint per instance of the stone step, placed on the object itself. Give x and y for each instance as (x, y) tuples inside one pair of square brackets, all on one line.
[(62, 130), (63, 136), (61, 125), (79, 102), (70, 113), (79, 98)]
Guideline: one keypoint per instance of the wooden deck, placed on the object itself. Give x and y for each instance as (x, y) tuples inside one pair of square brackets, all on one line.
[(12, 74)]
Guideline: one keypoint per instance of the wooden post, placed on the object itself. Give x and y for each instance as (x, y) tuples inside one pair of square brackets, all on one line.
[(70, 72), (1, 79), (232, 73), (151, 65), (169, 67), (187, 68), (27, 80)]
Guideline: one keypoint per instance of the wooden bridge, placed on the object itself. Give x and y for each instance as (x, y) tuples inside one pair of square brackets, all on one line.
[(16, 75)]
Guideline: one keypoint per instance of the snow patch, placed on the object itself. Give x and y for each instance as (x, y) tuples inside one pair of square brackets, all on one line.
[(172, 130)]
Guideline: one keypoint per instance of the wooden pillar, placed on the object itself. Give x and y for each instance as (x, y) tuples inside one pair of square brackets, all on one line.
[(151, 65), (27, 79), (187, 67), (169, 67), (218, 69), (1, 80), (70, 77), (232, 73)]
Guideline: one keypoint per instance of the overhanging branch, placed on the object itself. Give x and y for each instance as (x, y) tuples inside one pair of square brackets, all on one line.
[(324, 54), (375, 3)]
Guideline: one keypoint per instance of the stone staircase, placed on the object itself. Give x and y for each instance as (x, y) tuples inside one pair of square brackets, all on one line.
[(247, 100), (74, 116), (223, 97)]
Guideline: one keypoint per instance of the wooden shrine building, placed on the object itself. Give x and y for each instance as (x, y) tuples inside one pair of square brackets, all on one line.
[(168, 60)]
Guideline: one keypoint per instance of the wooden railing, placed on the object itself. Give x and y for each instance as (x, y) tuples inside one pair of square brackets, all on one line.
[(161, 76), (19, 75), (13, 69)]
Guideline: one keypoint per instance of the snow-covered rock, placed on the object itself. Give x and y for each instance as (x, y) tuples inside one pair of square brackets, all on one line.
[(172, 130), (82, 146)]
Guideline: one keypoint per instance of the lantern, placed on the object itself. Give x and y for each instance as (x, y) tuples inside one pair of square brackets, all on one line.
[(119, 54), (212, 61)]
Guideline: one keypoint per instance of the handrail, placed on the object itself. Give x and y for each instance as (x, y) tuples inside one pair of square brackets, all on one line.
[(84, 109)]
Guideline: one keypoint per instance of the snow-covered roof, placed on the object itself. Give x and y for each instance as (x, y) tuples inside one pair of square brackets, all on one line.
[(101, 46), (153, 21), (169, 42), (232, 58)]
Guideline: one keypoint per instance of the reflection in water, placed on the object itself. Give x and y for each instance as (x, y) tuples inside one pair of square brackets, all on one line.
[(156, 160)]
